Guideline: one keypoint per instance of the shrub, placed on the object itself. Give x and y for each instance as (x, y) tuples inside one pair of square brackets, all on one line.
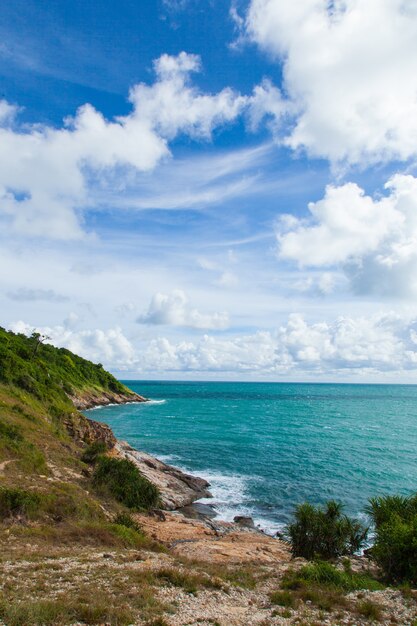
[(122, 479), (322, 584), (324, 533), (284, 598), (14, 502), (93, 451), (370, 610), (395, 547), (124, 519), (323, 573)]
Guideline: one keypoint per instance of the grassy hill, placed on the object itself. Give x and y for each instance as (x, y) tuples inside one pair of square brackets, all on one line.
[(43, 437)]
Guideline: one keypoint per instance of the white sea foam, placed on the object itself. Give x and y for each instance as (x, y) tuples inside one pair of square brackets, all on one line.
[(168, 458), (104, 406), (229, 495), (150, 402)]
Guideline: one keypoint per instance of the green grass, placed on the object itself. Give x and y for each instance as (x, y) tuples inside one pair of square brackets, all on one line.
[(16, 502), (322, 573), (190, 582), (284, 598), (323, 585), (57, 613)]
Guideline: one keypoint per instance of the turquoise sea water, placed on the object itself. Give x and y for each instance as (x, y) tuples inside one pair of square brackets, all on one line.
[(265, 446)]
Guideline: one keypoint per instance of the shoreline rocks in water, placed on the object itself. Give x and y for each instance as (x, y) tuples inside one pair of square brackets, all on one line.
[(91, 399), (177, 488)]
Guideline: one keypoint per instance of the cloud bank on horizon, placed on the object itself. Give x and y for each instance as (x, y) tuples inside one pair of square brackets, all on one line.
[(256, 221)]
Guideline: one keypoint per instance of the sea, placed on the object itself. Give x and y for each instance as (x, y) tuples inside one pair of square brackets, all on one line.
[(264, 447)]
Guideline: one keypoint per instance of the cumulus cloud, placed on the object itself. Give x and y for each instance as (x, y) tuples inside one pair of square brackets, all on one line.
[(381, 343), (109, 347), (349, 75), (173, 309), (374, 240), (47, 173)]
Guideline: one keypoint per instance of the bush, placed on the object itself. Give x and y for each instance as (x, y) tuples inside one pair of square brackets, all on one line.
[(395, 547), (122, 479), (124, 519), (325, 574), (324, 533), (370, 610), (14, 502), (93, 451)]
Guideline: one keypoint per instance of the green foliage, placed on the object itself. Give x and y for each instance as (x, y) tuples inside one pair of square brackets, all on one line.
[(321, 584), (124, 519), (17, 502), (324, 533), (49, 373), (122, 479), (61, 612), (284, 598), (12, 440), (395, 547), (93, 451), (325, 574)]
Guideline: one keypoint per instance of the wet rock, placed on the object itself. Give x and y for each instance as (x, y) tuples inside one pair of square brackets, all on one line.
[(245, 521), (198, 510)]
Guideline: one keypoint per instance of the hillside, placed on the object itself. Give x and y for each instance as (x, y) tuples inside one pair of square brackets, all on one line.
[(82, 540)]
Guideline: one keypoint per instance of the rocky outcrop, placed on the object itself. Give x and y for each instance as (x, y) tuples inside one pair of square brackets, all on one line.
[(88, 431), (88, 399), (177, 489)]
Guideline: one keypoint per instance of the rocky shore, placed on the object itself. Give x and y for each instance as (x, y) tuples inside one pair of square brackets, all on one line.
[(177, 488), (92, 398)]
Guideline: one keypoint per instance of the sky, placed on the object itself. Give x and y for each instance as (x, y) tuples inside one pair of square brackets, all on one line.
[(213, 189)]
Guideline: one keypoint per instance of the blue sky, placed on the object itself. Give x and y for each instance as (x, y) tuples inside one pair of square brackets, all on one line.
[(213, 190)]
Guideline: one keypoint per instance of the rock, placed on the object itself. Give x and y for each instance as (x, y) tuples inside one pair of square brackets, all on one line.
[(83, 429), (177, 489), (198, 510), (160, 515), (243, 520), (90, 399)]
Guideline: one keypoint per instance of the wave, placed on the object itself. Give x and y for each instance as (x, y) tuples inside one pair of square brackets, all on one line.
[(104, 406), (229, 493), (150, 402)]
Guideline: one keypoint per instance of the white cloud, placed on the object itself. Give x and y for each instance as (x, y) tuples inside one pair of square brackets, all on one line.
[(382, 343), (348, 74), (361, 346), (109, 347), (227, 279), (373, 239), (174, 310), (47, 174)]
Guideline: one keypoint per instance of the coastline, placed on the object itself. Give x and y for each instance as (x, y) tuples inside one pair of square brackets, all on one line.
[(93, 399), (180, 491)]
